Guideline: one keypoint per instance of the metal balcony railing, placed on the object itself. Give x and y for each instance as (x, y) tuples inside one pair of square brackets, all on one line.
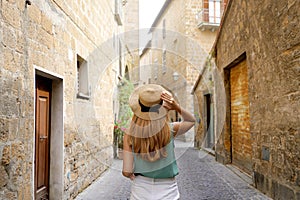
[(208, 19)]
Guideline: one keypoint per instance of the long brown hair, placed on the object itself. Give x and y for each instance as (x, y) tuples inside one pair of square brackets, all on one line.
[(148, 138)]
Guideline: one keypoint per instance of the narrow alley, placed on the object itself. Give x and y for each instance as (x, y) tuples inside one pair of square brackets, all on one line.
[(200, 177), (68, 69)]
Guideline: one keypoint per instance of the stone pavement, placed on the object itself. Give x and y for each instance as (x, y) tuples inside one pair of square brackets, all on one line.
[(200, 177)]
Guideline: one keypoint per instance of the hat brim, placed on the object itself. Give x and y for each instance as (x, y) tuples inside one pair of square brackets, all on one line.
[(136, 108)]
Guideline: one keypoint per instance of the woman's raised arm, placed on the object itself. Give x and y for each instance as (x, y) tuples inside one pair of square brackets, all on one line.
[(188, 120)]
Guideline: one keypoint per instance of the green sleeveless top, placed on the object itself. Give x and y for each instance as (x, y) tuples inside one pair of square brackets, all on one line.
[(162, 168)]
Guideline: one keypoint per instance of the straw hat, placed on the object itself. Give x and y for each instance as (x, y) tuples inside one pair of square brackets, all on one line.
[(146, 103)]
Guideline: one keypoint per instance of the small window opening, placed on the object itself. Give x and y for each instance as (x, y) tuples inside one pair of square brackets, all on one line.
[(83, 90)]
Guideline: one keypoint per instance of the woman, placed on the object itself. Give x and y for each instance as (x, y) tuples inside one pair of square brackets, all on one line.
[(149, 158)]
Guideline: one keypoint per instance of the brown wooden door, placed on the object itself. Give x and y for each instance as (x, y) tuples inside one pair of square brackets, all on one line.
[(42, 137), (240, 120)]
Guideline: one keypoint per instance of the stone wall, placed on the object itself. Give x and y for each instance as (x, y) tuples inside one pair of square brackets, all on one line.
[(131, 38), (48, 36), (172, 41), (267, 33), (205, 85), (199, 109), (187, 49), (197, 53)]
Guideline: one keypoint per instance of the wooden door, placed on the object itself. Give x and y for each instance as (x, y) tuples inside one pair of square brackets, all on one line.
[(240, 120), (42, 137)]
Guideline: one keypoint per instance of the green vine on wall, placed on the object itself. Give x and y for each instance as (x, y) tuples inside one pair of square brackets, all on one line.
[(125, 114)]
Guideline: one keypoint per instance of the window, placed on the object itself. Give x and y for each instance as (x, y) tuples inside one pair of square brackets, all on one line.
[(114, 41), (176, 53), (118, 11), (120, 58), (83, 91), (155, 68), (126, 73), (212, 11), (155, 39), (164, 60), (164, 29)]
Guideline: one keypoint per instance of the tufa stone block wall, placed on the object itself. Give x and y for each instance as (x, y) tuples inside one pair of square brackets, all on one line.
[(174, 44), (16, 106), (131, 36), (267, 32), (199, 109), (48, 36), (187, 48), (205, 85)]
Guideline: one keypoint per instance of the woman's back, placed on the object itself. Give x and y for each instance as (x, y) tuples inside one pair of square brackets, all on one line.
[(165, 167)]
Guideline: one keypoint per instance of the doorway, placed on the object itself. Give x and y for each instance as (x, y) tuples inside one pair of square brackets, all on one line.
[(49, 135), (241, 143), (209, 143), (42, 136)]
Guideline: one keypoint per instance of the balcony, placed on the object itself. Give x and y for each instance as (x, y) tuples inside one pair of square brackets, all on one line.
[(208, 19), (118, 11)]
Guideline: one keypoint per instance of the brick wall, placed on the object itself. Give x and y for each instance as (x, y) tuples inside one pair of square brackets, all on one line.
[(267, 32)]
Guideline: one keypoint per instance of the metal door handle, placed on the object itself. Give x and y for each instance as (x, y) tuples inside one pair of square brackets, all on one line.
[(43, 137)]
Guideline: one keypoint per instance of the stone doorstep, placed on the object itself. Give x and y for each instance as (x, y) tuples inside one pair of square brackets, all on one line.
[(209, 151), (246, 177)]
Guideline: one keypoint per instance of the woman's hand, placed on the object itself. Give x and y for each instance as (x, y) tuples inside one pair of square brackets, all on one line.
[(132, 177), (188, 120), (129, 175), (169, 102)]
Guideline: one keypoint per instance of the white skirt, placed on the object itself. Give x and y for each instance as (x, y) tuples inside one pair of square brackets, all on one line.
[(144, 188)]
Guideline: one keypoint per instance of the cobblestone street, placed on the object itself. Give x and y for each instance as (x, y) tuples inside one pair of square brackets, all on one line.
[(200, 177)]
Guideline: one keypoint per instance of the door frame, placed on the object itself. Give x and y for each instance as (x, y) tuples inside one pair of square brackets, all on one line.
[(208, 120), (226, 133), (56, 167), (248, 166)]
